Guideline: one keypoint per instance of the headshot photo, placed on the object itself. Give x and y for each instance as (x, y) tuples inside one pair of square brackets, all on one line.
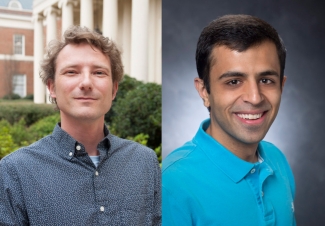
[(297, 130)]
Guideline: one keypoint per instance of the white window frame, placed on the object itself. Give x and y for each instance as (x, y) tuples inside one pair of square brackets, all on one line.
[(22, 44), (24, 85)]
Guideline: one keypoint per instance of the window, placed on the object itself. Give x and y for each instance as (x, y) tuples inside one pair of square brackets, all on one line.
[(14, 4), (19, 45), (19, 85)]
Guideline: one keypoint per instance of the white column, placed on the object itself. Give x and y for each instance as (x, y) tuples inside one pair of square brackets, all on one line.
[(139, 39), (158, 74), (67, 13), (152, 54), (126, 36), (39, 87), (51, 31), (86, 14), (110, 19)]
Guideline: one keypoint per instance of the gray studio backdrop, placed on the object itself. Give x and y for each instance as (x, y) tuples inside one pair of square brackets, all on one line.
[(299, 129)]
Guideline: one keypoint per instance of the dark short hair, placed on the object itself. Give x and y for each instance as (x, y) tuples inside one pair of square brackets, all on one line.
[(237, 32), (76, 35)]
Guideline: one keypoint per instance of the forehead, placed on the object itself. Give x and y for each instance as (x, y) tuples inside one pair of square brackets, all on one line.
[(259, 57), (82, 53)]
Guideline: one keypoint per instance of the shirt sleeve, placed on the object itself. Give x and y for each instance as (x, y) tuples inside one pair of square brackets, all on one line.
[(12, 208), (157, 201)]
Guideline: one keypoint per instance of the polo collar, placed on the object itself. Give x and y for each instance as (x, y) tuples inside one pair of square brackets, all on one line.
[(231, 165)]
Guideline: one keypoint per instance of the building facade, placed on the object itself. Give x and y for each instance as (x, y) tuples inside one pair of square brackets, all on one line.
[(16, 50), (135, 25)]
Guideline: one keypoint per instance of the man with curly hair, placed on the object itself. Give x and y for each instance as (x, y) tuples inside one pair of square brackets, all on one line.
[(81, 174)]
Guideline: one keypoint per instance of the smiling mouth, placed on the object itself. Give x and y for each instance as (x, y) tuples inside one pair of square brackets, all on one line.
[(250, 116)]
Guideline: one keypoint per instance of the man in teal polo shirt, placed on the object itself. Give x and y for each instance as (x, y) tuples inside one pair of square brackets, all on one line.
[(226, 175)]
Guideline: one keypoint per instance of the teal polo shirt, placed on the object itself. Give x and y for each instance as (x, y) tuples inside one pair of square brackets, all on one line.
[(203, 183)]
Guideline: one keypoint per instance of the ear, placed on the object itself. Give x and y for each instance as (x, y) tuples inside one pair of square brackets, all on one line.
[(199, 85), (114, 90), (51, 88), (283, 82)]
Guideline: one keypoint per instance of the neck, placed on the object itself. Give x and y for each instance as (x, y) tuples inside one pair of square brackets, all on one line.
[(247, 152), (85, 132)]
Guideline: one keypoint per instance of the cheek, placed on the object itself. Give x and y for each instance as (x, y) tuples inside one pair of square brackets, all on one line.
[(223, 99), (274, 98)]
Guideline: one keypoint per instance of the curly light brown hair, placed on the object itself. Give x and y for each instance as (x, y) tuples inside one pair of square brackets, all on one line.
[(76, 35)]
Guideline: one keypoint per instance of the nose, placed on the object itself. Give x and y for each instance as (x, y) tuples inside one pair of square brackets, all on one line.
[(252, 93), (86, 81)]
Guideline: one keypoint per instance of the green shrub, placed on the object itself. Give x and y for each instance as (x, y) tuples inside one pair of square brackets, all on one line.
[(140, 138), (125, 86), (20, 133), (158, 153), (12, 96), (139, 112), (7, 144), (29, 97), (14, 111), (43, 127)]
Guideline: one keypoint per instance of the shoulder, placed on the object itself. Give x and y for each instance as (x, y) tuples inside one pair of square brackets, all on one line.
[(130, 148), (180, 157), (27, 153)]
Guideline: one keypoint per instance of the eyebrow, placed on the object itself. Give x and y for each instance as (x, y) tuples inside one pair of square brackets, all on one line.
[(230, 74)]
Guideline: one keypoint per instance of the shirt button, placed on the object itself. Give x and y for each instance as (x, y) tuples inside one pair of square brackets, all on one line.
[(78, 147), (96, 173), (253, 171), (262, 193), (70, 154), (102, 208)]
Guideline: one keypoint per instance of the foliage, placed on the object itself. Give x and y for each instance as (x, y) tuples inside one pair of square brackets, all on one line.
[(12, 96), (29, 97), (19, 133), (140, 112), (128, 83), (44, 126), (158, 153), (140, 138), (7, 144), (15, 111)]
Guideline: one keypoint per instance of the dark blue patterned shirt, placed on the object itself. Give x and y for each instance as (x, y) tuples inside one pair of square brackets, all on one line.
[(54, 182)]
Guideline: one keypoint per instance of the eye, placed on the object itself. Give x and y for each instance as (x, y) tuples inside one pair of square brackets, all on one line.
[(266, 81), (100, 73), (234, 82), (70, 72)]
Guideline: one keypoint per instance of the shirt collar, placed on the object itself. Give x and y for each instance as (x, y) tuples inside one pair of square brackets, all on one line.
[(70, 147), (234, 167)]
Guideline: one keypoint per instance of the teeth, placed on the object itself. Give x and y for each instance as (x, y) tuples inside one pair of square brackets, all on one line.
[(250, 116)]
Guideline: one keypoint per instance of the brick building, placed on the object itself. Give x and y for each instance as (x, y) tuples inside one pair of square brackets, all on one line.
[(135, 25), (16, 50)]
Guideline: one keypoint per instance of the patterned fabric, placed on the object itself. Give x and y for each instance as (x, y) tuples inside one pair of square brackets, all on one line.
[(54, 182)]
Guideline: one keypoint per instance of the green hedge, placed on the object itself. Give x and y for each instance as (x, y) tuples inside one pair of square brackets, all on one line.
[(124, 87), (139, 112), (14, 111)]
